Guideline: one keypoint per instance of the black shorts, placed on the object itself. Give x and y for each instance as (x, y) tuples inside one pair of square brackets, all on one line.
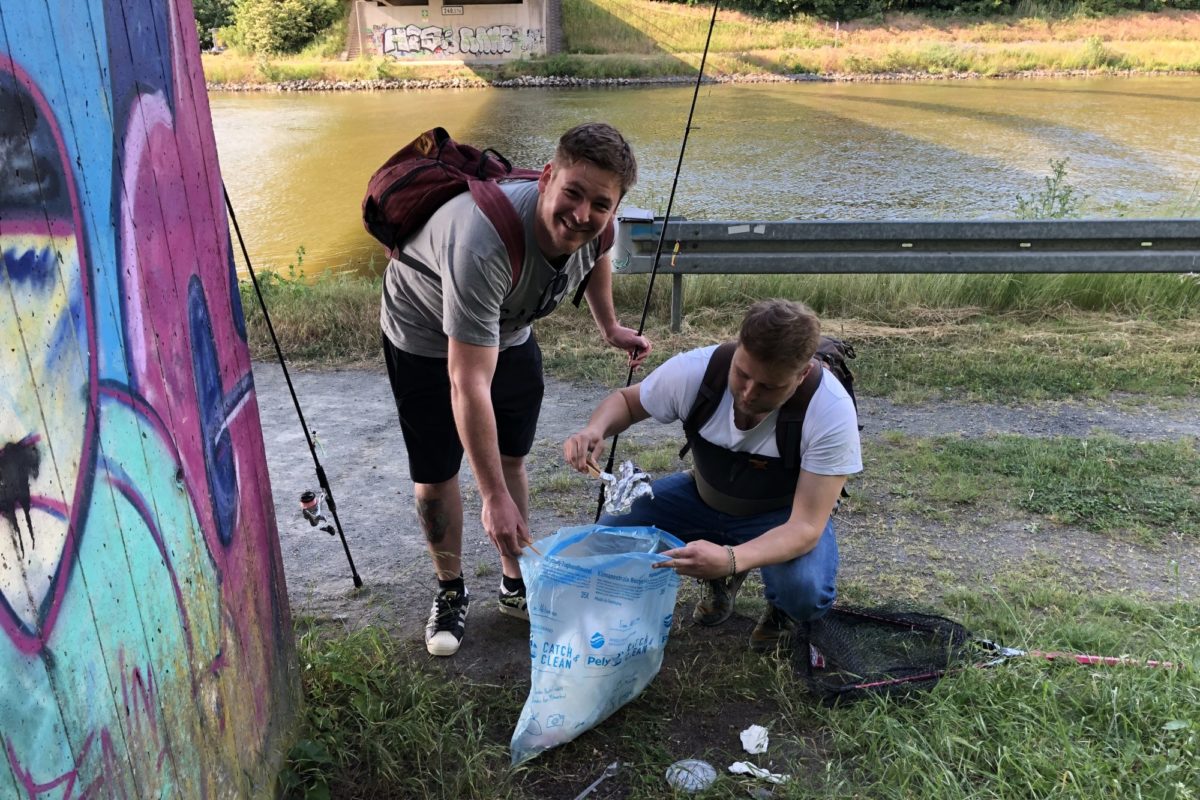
[(421, 386)]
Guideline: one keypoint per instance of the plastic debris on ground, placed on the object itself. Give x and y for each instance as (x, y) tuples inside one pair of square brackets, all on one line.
[(754, 739), (691, 775), (746, 768), (621, 489), (599, 620)]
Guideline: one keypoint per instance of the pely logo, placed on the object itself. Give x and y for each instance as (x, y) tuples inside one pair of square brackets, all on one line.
[(597, 641)]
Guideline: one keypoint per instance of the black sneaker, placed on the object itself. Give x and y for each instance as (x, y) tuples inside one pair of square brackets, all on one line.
[(773, 632), (717, 604), (513, 603), (447, 622)]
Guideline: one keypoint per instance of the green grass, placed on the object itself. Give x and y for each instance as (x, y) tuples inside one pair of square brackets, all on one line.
[(1004, 347), (380, 721), (1150, 490)]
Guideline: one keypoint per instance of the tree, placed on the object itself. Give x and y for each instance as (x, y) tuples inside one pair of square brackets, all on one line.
[(281, 26), (210, 15)]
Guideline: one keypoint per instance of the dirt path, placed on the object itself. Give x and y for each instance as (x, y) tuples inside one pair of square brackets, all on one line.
[(363, 454)]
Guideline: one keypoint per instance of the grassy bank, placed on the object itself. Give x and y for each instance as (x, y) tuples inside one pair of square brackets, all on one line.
[(383, 721), (998, 338), (645, 39)]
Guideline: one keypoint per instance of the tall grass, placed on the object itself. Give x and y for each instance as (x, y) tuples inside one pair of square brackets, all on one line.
[(892, 298)]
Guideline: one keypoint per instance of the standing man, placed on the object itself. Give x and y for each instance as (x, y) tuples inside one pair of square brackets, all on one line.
[(464, 366), (742, 506)]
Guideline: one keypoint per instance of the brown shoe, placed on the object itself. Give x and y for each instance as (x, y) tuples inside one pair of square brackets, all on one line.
[(717, 604), (773, 632)]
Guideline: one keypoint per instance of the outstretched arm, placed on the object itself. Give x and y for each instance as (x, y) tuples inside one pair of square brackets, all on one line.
[(599, 297), (811, 506), (615, 413)]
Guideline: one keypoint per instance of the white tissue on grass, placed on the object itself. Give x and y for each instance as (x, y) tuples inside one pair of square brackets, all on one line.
[(754, 739), (746, 768), (623, 488)]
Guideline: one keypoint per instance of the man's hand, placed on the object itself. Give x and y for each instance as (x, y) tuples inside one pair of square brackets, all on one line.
[(505, 526), (581, 447), (699, 559), (627, 339)]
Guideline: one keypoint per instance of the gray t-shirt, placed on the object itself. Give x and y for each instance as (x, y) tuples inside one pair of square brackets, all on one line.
[(469, 294)]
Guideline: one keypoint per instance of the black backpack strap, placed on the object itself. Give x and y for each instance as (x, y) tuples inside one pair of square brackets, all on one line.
[(791, 416), (604, 244), (712, 389)]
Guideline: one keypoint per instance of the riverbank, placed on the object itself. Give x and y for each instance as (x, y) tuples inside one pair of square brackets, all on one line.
[(566, 82), (637, 42)]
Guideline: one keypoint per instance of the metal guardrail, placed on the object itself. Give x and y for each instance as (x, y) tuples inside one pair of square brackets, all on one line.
[(963, 247)]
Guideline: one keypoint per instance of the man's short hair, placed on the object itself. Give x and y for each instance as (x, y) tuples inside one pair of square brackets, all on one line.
[(604, 146), (783, 332)]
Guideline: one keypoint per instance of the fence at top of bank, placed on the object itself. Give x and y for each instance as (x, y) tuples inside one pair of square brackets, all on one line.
[(730, 247)]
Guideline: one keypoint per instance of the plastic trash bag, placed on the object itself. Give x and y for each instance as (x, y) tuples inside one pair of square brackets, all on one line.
[(599, 619)]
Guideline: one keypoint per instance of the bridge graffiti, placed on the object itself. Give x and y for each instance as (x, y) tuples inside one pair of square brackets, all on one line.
[(145, 639), (415, 41)]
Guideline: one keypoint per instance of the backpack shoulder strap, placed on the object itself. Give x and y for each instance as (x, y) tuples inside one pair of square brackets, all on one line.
[(496, 206), (712, 388), (790, 422), (604, 244)]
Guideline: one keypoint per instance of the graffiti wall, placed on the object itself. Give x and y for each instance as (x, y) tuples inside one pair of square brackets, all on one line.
[(461, 32), (145, 640)]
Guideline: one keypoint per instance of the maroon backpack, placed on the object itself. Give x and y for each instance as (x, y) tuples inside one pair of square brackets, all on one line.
[(403, 194)]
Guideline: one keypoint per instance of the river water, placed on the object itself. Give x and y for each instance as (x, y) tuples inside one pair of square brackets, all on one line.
[(296, 164)]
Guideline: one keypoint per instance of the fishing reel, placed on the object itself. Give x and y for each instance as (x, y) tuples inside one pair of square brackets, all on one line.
[(310, 508)]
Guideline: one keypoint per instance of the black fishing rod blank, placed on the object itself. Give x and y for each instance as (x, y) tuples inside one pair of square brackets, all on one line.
[(662, 235), (312, 449)]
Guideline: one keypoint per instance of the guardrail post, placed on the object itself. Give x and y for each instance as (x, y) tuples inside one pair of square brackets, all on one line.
[(676, 302)]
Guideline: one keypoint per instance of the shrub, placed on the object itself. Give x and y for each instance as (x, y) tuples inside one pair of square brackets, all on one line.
[(282, 26), (211, 15)]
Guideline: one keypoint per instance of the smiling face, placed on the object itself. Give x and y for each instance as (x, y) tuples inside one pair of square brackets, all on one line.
[(575, 201), (759, 387)]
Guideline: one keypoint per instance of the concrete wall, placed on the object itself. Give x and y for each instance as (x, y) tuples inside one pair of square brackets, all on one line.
[(442, 30), (145, 640)]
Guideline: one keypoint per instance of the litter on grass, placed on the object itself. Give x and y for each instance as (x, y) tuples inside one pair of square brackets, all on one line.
[(691, 775), (755, 739), (746, 768)]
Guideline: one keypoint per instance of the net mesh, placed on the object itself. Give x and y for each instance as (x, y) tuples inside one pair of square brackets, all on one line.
[(851, 651)]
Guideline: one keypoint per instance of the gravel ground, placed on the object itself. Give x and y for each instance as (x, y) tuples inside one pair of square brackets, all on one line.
[(363, 453)]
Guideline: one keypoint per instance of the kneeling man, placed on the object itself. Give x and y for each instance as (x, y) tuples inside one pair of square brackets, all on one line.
[(746, 505)]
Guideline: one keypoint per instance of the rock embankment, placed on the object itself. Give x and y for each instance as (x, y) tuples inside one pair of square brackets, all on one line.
[(560, 81)]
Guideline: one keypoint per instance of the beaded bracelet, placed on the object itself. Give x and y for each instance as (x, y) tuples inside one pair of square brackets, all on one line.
[(732, 561)]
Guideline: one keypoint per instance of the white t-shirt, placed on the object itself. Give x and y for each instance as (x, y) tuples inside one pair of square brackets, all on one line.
[(829, 442)]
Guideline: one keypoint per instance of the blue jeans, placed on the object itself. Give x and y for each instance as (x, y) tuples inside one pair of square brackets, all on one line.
[(803, 588)]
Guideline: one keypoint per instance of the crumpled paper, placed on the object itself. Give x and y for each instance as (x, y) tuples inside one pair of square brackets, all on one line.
[(622, 489), (746, 768), (754, 739)]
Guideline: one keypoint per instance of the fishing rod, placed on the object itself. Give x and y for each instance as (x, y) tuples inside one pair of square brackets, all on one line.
[(662, 235), (309, 501)]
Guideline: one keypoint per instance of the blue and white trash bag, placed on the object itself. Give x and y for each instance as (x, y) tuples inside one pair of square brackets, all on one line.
[(599, 619)]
